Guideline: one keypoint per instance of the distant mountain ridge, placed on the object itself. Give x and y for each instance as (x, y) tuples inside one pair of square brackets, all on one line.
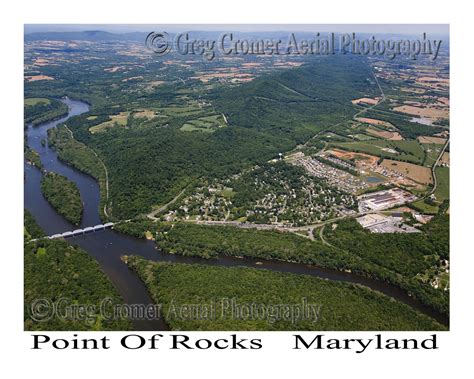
[(90, 35)]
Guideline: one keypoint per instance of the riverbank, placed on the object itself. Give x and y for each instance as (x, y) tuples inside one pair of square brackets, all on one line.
[(107, 247), (201, 297)]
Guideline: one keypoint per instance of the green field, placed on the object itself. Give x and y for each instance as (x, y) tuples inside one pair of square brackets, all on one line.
[(426, 208), (115, 120), (38, 110), (432, 206), (432, 152), (37, 100), (442, 190), (204, 124), (406, 150), (363, 137), (178, 285)]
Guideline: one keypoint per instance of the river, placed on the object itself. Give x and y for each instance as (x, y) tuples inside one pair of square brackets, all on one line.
[(108, 246)]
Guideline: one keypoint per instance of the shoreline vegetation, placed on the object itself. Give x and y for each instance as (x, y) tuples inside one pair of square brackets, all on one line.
[(57, 271), (218, 294), (31, 229), (150, 161), (63, 195), (81, 157), (404, 261), (38, 110), (144, 140), (33, 157)]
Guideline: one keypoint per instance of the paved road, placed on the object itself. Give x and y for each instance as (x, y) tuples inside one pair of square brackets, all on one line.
[(163, 208)]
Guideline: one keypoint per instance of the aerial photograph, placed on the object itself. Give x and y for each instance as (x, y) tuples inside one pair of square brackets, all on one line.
[(236, 177)]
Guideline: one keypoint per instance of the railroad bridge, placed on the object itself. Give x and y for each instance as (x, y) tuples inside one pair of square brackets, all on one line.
[(78, 232)]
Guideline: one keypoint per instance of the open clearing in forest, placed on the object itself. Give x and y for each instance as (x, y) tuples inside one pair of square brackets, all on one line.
[(115, 120), (348, 155), (392, 136), (429, 139), (373, 121), (414, 172), (207, 124), (37, 100), (425, 112)]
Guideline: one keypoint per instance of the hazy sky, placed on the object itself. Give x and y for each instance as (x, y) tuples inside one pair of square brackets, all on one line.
[(438, 29)]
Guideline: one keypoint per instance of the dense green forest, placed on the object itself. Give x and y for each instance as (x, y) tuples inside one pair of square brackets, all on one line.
[(319, 93), (40, 110), (176, 285), (79, 156), (33, 157), (58, 273), (31, 228), (404, 255), (150, 165), (63, 195), (392, 258), (157, 127)]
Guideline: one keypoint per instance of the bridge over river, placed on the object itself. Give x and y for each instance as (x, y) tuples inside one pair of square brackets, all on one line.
[(77, 232)]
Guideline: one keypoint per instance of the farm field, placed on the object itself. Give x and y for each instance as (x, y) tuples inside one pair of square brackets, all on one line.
[(417, 173), (363, 137), (392, 136), (432, 152), (37, 100), (370, 159), (182, 111), (426, 112), (426, 208), (207, 124), (115, 120), (410, 151), (373, 121), (445, 158), (121, 120), (442, 191), (432, 140)]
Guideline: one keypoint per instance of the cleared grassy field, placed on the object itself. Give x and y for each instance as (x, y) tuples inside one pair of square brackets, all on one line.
[(432, 140), (442, 190), (410, 151), (441, 194), (395, 136), (373, 147), (115, 120), (145, 113), (432, 152), (426, 208), (445, 158), (363, 137), (207, 124), (419, 174), (182, 111), (37, 100)]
